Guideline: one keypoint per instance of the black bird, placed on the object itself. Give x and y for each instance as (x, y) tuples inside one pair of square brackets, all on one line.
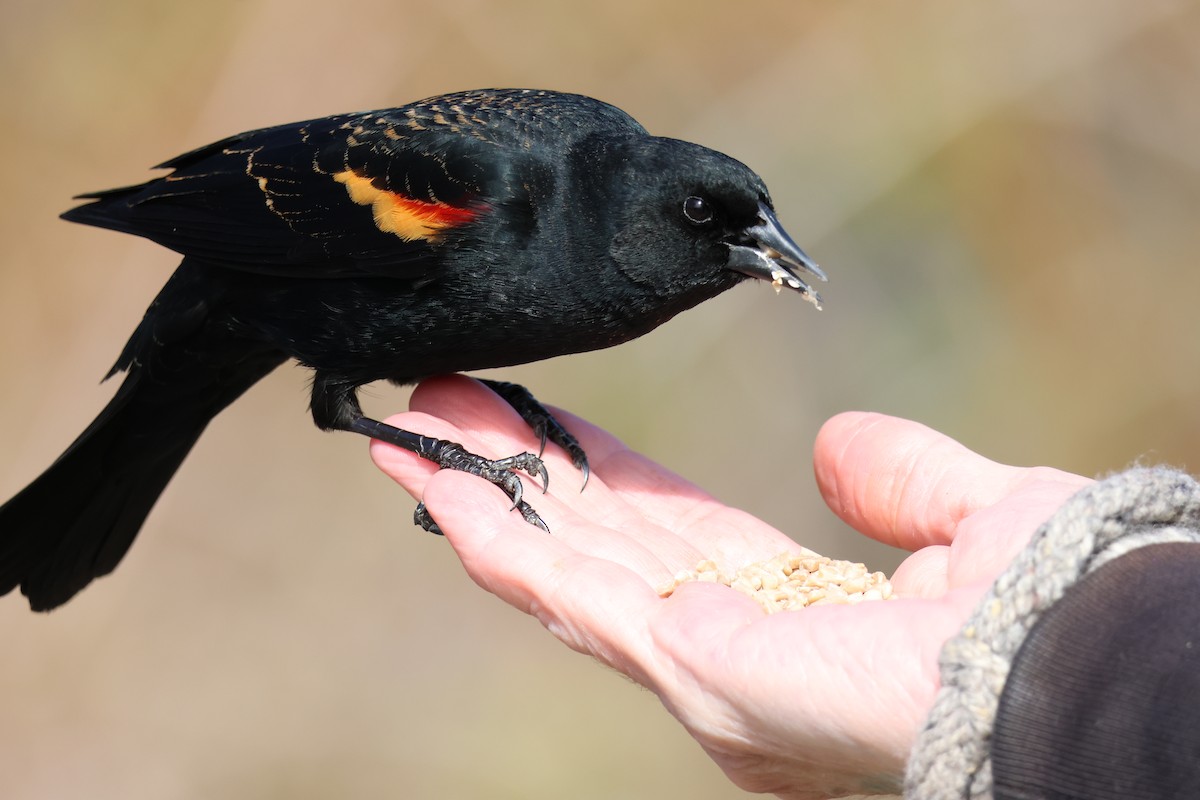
[(472, 230)]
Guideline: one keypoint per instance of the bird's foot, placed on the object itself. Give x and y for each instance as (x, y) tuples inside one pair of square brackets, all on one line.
[(544, 425), (423, 519), (500, 472), (451, 455)]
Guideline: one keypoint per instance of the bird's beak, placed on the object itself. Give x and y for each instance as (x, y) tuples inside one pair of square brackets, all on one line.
[(765, 251)]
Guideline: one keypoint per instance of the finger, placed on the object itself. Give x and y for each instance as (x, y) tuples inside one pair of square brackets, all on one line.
[(587, 601), (462, 411), (659, 497), (476, 411), (992, 537), (481, 419), (480, 509), (628, 489), (404, 466), (901, 482), (479, 414), (623, 535), (923, 574), (473, 407)]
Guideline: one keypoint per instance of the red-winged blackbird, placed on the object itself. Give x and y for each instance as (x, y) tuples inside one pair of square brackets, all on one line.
[(473, 230)]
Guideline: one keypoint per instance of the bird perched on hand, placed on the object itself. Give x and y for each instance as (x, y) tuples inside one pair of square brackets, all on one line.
[(473, 230)]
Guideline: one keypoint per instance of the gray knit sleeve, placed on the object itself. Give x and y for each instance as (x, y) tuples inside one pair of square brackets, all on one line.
[(1141, 507)]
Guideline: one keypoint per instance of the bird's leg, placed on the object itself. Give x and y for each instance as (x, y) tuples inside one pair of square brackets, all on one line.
[(335, 407), (544, 425), (452, 455)]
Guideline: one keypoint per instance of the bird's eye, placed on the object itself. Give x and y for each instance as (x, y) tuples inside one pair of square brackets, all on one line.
[(697, 210)]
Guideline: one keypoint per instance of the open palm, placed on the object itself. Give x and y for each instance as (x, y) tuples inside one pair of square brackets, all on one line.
[(812, 703)]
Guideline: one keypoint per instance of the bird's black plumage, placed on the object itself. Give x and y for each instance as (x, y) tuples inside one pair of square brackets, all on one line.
[(468, 231)]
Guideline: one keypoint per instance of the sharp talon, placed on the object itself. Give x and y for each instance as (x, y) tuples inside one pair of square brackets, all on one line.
[(542, 422), (502, 473), (514, 489), (587, 473), (533, 518)]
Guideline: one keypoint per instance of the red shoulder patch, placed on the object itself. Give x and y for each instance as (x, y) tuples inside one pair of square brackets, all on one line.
[(405, 217)]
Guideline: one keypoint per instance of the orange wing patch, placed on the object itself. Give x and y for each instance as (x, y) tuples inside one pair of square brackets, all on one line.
[(407, 218)]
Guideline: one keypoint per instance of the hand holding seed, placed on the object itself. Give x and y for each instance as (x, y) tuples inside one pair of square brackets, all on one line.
[(821, 701)]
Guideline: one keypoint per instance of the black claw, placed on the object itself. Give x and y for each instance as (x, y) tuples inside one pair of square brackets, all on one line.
[(543, 423), (451, 455), (532, 517), (513, 487), (422, 519)]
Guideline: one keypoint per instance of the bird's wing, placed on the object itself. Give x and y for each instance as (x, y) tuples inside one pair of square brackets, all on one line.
[(357, 194)]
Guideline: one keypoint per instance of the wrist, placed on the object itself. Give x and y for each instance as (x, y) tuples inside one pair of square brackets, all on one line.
[(952, 757)]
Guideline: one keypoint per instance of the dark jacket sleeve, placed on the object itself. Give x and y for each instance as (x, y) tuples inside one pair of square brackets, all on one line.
[(1079, 674), (1103, 700)]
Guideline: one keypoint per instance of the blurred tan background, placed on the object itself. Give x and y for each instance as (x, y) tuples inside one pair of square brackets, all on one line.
[(1006, 198)]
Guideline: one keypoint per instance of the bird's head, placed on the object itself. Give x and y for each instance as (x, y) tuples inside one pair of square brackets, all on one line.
[(689, 220)]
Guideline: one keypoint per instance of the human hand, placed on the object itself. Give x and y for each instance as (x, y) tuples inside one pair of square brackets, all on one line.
[(814, 703)]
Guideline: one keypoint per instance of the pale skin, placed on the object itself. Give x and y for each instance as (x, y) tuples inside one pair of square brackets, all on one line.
[(815, 703)]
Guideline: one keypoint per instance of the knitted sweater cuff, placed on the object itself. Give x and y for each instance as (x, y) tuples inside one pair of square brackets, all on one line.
[(1101, 522)]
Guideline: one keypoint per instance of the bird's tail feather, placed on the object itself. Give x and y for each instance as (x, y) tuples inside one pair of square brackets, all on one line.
[(76, 521)]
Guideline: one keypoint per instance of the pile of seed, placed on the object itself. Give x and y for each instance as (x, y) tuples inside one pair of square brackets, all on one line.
[(793, 580)]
